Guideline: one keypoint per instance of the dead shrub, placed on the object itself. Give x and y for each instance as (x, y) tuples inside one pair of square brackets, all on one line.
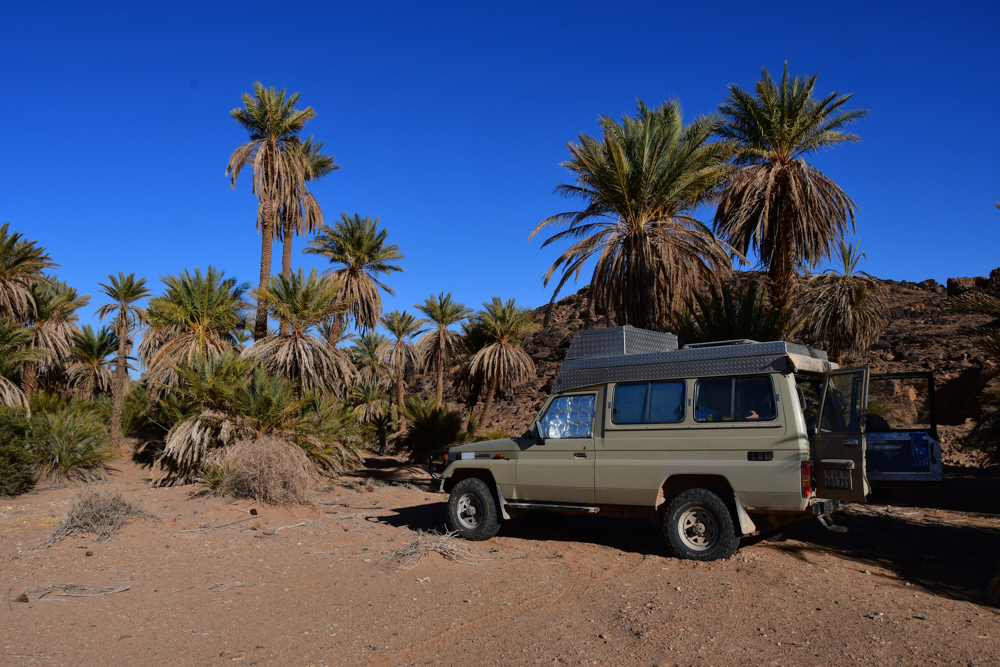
[(266, 469), (100, 513), (445, 544)]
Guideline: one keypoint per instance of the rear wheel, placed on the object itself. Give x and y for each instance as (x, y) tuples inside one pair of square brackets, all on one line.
[(472, 511), (698, 526)]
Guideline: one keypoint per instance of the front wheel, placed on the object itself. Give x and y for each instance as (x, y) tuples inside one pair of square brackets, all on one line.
[(698, 526), (472, 512)]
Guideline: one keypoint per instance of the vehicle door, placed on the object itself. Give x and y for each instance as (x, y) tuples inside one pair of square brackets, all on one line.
[(557, 465), (839, 443)]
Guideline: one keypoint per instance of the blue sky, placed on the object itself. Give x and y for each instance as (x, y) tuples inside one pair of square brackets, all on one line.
[(450, 121)]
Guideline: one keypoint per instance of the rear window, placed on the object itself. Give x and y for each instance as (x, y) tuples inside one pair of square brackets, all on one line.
[(648, 403), (745, 398)]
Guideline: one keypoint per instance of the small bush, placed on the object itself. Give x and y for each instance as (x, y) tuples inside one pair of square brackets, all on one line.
[(99, 513), (71, 444), (432, 426), (15, 455), (267, 469)]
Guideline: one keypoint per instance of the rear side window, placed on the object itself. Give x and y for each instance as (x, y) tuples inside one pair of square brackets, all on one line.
[(742, 399), (648, 403)]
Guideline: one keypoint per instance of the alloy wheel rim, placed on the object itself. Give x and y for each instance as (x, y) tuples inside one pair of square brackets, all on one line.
[(698, 528)]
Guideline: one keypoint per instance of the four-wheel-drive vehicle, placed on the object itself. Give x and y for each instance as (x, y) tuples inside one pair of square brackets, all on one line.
[(714, 441)]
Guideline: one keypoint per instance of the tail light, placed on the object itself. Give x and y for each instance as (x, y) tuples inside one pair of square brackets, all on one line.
[(807, 479)]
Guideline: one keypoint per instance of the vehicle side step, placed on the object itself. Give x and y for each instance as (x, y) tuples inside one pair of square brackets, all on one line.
[(549, 506)]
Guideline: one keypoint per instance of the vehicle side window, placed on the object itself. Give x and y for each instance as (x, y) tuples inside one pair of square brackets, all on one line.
[(648, 403), (741, 399), (569, 417), (629, 404), (842, 409), (666, 402)]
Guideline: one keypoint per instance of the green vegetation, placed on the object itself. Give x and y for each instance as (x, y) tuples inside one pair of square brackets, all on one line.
[(15, 453), (734, 312)]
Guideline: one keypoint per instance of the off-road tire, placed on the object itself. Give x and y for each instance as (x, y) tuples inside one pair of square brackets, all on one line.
[(472, 510), (698, 526)]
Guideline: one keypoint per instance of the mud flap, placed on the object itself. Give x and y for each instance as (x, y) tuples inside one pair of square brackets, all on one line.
[(503, 504), (747, 526)]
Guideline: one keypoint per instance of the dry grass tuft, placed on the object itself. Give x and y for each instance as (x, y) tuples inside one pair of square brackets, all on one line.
[(100, 513), (444, 543), (266, 469)]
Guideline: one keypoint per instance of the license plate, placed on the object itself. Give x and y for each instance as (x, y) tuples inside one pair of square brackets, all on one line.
[(837, 479)]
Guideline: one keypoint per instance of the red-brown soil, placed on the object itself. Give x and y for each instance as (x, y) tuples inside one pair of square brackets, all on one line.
[(211, 584)]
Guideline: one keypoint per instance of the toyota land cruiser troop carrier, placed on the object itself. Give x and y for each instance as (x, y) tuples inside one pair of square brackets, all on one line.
[(714, 442)]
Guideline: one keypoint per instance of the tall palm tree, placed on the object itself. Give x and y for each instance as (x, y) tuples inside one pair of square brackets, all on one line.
[(197, 314), (775, 203), (52, 327), (641, 182), (365, 357), (846, 308), (21, 265), (399, 351), (502, 362), (441, 343), (89, 369), (303, 215), (302, 303), (280, 168), (124, 291), (359, 247)]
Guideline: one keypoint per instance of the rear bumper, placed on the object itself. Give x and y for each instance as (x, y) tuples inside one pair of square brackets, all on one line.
[(821, 507)]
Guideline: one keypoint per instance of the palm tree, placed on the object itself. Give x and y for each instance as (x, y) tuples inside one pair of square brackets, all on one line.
[(89, 369), (441, 343), (280, 168), (52, 326), (365, 357), (198, 314), (15, 351), (356, 244), (21, 266), (846, 308), (398, 352), (124, 291), (775, 202), (369, 400), (301, 303), (735, 312), (641, 182), (502, 362), (303, 215)]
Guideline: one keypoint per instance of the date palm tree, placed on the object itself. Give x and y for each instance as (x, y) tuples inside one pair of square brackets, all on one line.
[(198, 314), (440, 344), (15, 351), (734, 312), (501, 362), (89, 368), (280, 168), (303, 214), (357, 245), (368, 399), (21, 265), (775, 203), (399, 351), (52, 327), (846, 308), (124, 291), (641, 183), (302, 303), (365, 357)]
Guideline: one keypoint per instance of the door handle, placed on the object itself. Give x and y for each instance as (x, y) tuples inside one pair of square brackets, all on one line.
[(580, 455)]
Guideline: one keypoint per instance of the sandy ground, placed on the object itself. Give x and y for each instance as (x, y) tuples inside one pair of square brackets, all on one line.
[(209, 583)]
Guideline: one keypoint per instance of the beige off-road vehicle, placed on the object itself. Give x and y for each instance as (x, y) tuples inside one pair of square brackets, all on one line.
[(715, 442)]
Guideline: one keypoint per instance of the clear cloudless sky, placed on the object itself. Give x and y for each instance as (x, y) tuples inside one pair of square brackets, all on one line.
[(450, 121)]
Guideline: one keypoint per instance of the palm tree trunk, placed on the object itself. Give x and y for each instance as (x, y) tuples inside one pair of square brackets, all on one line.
[(286, 262), (400, 382), (118, 387), (487, 407), (29, 379), (440, 373), (260, 326)]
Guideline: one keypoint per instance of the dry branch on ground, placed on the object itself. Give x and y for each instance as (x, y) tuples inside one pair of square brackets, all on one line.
[(100, 513), (443, 543)]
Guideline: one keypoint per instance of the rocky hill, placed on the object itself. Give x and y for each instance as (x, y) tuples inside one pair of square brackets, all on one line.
[(924, 333)]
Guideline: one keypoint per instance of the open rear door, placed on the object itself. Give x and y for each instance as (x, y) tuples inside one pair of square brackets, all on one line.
[(840, 438)]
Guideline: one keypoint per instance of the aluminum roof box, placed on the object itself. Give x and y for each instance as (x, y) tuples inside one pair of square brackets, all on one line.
[(617, 341), (623, 354)]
